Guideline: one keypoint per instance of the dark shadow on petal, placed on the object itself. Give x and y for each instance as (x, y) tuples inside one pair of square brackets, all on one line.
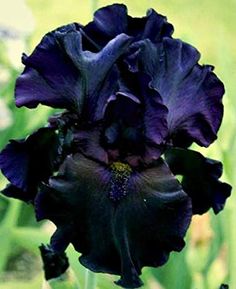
[(49, 205), (88, 142), (136, 118), (123, 124), (200, 179), (154, 112)]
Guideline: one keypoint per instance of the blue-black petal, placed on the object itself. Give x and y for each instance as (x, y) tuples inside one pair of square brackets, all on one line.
[(113, 20), (60, 73), (191, 92), (200, 179), (98, 72), (136, 118), (54, 264), (28, 162), (118, 237), (49, 77)]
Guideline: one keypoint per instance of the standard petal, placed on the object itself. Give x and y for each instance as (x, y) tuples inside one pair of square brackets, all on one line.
[(118, 235), (156, 27), (27, 162), (123, 123), (200, 179), (155, 112), (113, 20), (108, 22), (50, 77), (191, 92), (137, 106), (98, 73)]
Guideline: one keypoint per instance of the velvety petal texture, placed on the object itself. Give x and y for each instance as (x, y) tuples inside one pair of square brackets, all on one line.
[(50, 76), (60, 74), (136, 118), (105, 171), (191, 92), (148, 222), (200, 179)]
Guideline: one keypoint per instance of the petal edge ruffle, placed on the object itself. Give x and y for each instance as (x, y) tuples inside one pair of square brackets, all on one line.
[(200, 179)]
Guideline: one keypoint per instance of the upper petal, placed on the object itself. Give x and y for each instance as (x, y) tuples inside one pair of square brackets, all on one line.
[(98, 73), (137, 114), (200, 179), (59, 73), (156, 26), (191, 92), (108, 22), (113, 20), (50, 77)]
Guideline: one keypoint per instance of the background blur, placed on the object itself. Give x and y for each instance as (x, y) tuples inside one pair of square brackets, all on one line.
[(209, 257)]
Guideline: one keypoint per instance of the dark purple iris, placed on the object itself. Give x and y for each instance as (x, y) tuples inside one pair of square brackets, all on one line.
[(104, 169)]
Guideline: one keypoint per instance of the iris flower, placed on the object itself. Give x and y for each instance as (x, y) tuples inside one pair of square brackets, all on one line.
[(104, 169)]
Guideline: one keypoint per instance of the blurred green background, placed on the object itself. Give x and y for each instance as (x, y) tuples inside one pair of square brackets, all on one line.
[(209, 257)]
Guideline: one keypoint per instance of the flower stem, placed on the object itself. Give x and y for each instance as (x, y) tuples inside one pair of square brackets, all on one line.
[(90, 280), (7, 227)]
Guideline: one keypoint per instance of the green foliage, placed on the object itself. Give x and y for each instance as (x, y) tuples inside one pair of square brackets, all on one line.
[(205, 262)]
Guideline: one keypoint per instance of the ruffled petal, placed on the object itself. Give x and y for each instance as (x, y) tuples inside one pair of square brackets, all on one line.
[(191, 92), (136, 113), (113, 20), (26, 163), (200, 179), (139, 107), (123, 123), (60, 74), (50, 77), (156, 26), (108, 22), (99, 75), (152, 222), (155, 112), (118, 235)]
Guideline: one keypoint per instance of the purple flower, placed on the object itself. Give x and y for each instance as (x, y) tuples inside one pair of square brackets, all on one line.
[(104, 169)]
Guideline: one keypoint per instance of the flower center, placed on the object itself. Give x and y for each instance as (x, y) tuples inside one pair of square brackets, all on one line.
[(120, 174)]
